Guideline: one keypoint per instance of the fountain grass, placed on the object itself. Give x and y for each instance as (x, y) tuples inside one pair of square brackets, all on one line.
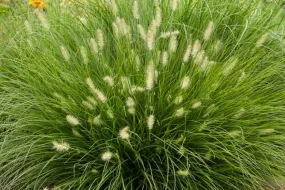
[(143, 95)]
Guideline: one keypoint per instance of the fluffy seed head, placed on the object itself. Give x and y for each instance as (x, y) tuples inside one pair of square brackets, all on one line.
[(118, 22), (197, 105), (114, 7), (94, 90), (136, 10), (92, 100), (187, 53), (158, 16), (131, 102), (150, 36), (156, 3), (123, 27), (61, 147), (185, 83), (164, 58), (84, 55), (100, 39), (150, 76), (180, 112), (124, 133), (196, 47), (72, 120), (64, 53), (183, 173), (142, 32), (97, 121), (109, 80), (200, 57), (93, 46), (132, 110), (150, 122), (174, 4), (88, 105), (173, 43), (205, 64), (135, 89), (261, 40), (41, 16), (107, 156), (101, 96), (178, 100), (209, 30), (218, 46), (169, 34)]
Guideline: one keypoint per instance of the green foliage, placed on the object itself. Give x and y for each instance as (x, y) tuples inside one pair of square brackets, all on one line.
[(89, 102)]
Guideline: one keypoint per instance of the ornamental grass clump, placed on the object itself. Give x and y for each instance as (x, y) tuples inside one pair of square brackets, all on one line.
[(144, 95)]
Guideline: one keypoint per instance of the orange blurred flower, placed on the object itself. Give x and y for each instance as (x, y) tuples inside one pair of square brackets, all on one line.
[(37, 3)]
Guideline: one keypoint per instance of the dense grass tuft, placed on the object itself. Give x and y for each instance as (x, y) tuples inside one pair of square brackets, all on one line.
[(143, 95)]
